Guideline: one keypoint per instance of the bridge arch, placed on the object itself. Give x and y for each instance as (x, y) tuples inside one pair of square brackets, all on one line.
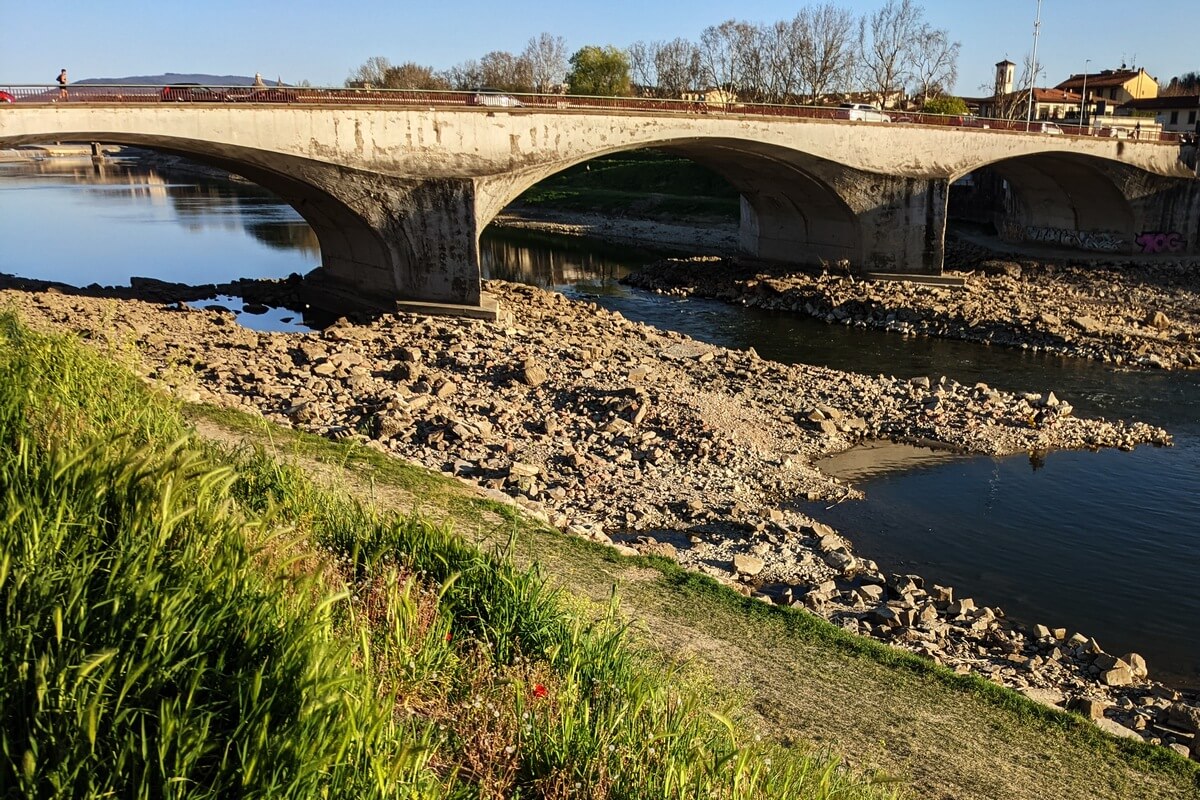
[(791, 209), (373, 230), (1061, 198)]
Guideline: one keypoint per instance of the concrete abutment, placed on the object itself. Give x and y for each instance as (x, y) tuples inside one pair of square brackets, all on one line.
[(877, 223), (1068, 202), (412, 240)]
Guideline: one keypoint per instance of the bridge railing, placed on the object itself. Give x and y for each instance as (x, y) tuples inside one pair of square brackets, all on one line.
[(194, 93)]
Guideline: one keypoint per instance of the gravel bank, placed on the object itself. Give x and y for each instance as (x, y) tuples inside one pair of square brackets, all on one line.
[(654, 443), (1137, 314)]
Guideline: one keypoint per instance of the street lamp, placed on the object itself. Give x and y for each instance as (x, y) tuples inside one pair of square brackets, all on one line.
[(1033, 66), (1083, 102)]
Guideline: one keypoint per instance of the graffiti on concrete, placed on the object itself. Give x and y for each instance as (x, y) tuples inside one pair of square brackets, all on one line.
[(1161, 242), (1104, 241), (1010, 230)]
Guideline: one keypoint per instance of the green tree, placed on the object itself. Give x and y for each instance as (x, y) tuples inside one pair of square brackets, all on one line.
[(945, 104), (380, 73), (600, 71)]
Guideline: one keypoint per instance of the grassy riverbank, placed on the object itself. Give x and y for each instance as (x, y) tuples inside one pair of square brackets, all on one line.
[(189, 618), (798, 678), (647, 184), (257, 611)]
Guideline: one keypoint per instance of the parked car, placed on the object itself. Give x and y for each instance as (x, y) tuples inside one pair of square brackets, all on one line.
[(971, 121), (5, 97), (861, 112), (191, 93), (1047, 127), (494, 98)]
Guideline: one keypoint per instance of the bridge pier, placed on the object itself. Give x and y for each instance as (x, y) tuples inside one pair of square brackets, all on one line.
[(1166, 214), (394, 243), (902, 222), (1094, 207), (877, 223)]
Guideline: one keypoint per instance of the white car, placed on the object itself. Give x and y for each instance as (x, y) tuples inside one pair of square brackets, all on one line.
[(490, 97), (861, 112), (1047, 127)]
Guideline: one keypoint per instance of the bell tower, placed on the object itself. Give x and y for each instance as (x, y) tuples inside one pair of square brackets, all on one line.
[(1005, 73)]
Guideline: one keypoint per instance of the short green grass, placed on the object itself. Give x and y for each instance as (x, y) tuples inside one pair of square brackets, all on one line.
[(643, 183), (182, 619)]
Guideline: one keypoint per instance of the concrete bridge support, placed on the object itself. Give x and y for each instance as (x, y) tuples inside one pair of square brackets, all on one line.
[(1092, 205), (385, 239), (1166, 212), (903, 224), (386, 242), (878, 223)]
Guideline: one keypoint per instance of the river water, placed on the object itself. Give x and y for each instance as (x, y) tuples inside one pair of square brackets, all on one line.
[(1105, 543)]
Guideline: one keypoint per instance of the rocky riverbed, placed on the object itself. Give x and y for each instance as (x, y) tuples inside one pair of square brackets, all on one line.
[(651, 442), (1132, 313)]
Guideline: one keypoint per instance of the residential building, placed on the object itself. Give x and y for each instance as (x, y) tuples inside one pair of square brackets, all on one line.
[(1178, 114), (1048, 104), (712, 95), (1113, 87)]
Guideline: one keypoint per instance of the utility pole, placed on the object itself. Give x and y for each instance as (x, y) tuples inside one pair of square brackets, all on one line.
[(1033, 66), (1083, 102)]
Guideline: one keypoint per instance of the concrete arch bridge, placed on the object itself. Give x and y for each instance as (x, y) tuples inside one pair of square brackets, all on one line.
[(398, 196)]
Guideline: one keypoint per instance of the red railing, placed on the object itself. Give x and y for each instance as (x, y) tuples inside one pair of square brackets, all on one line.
[(190, 93)]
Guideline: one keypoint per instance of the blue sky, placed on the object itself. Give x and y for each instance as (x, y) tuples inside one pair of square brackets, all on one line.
[(323, 42)]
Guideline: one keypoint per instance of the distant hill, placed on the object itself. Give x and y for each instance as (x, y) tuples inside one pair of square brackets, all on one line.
[(180, 77)]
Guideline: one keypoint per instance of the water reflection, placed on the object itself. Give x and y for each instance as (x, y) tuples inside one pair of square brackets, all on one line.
[(261, 318), (555, 261), (126, 218)]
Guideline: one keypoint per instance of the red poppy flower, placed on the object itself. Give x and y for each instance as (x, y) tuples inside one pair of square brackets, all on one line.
[(539, 690)]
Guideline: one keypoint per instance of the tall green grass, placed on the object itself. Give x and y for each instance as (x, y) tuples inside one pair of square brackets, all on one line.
[(144, 651), (184, 621)]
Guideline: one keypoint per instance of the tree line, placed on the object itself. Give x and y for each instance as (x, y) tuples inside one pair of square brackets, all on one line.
[(823, 50)]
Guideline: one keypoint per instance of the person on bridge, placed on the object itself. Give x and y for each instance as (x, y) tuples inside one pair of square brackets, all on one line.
[(62, 85)]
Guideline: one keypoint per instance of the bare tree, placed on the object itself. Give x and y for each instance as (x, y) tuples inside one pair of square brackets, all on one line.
[(779, 61), (886, 40), (1187, 83), (372, 72), (828, 59), (759, 55), (465, 76), (725, 53), (546, 56), (502, 70), (411, 75), (642, 71), (677, 67), (935, 62)]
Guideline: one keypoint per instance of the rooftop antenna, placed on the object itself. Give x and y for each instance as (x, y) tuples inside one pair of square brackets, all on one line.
[(1033, 66)]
